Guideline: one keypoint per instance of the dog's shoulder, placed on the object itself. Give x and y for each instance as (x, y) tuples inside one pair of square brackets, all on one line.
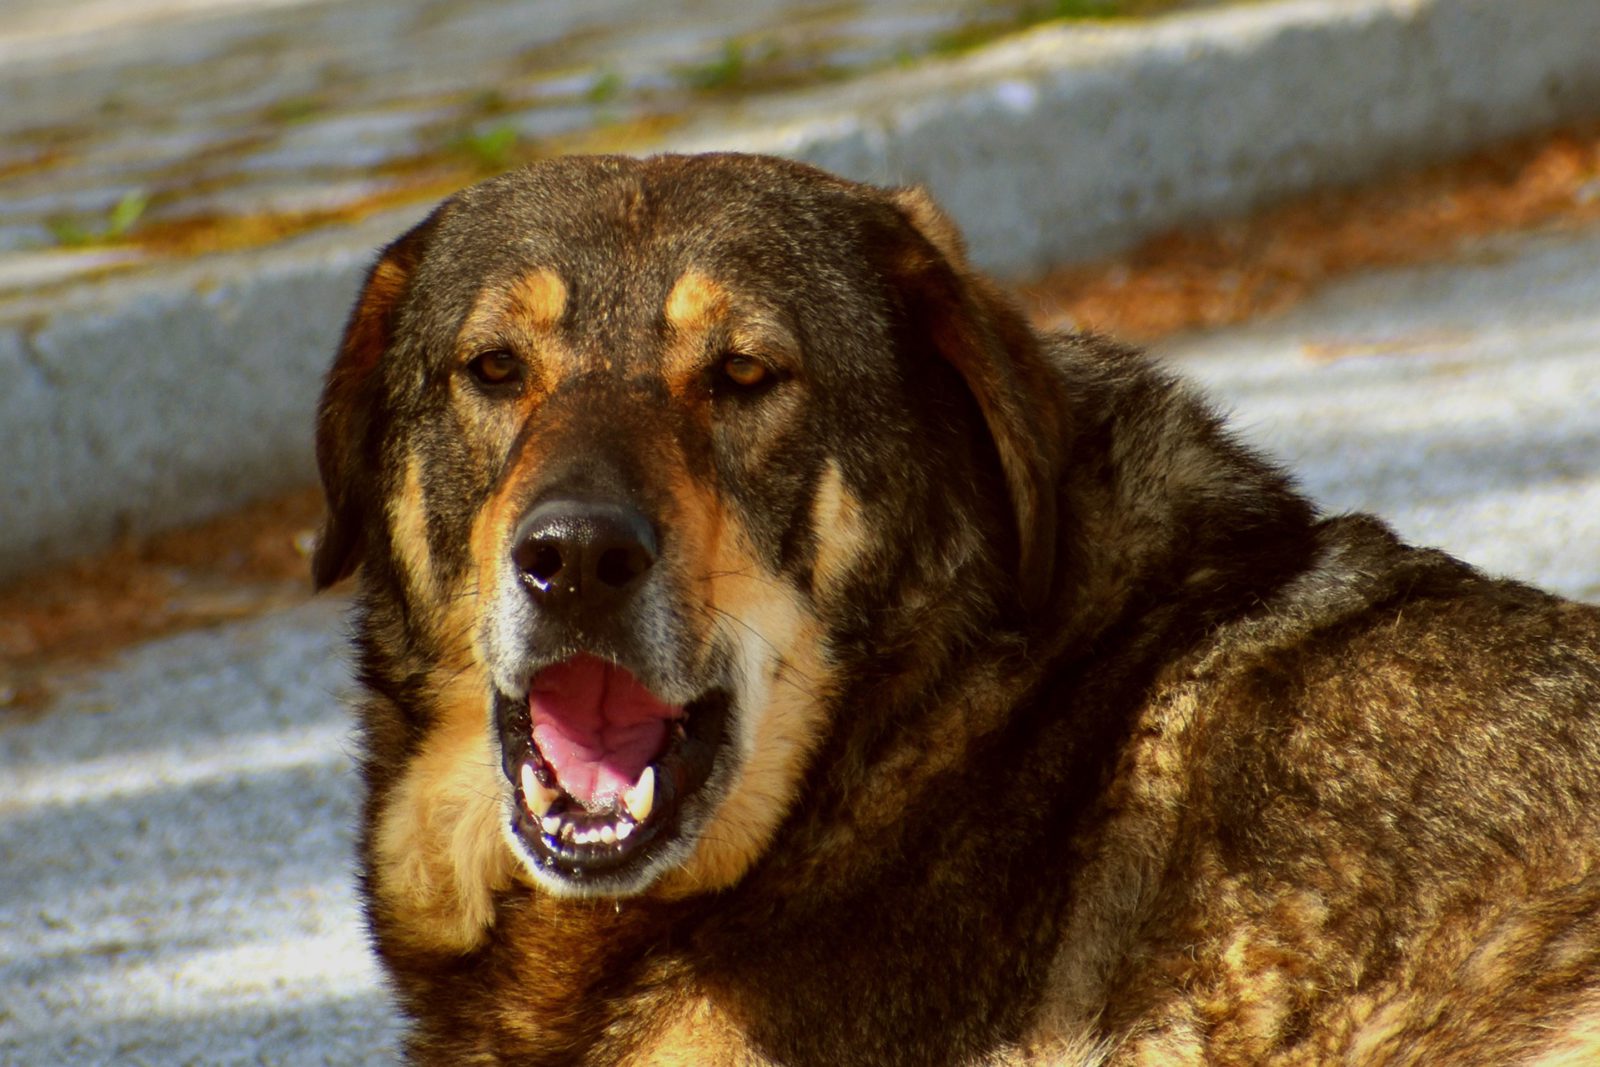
[(1355, 787), (1351, 813)]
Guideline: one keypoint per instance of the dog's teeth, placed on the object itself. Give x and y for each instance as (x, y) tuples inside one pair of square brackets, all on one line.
[(642, 797), (551, 825), (568, 832), (623, 830), (608, 834), (539, 797)]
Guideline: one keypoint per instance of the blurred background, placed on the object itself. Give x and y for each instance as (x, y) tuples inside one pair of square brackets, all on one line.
[(1371, 228)]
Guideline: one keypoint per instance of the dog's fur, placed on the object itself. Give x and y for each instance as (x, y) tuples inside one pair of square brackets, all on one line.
[(1059, 729)]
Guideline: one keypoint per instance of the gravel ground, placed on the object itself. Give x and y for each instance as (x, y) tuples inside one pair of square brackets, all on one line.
[(177, 826)]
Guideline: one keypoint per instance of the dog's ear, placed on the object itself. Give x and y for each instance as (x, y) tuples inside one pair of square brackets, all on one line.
[(978, 331), (345, 449)]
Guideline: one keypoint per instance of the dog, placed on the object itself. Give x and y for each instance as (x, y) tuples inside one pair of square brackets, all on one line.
[(775, 651)]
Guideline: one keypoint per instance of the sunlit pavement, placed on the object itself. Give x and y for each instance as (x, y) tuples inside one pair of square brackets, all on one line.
[(1461, 402)]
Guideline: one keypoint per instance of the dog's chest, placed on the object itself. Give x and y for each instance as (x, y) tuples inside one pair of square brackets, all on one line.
[(691, 1031)]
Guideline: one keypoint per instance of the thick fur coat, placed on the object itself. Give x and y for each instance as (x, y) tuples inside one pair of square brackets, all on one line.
[(985, 701)]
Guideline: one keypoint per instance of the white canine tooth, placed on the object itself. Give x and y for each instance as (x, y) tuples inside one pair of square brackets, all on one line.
[(642, 797), (623, 830), (608, 834), (551, 825), (538, 797)]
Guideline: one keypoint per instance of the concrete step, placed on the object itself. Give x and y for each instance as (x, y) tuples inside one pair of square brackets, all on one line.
[(144, 385)]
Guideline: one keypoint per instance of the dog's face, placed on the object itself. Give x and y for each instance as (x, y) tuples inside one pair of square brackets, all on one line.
[(632, 452)]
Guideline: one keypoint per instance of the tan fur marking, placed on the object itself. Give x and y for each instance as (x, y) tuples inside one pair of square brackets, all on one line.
[(408, 529), (776, 738), (1579, 1045), (707, 319), (490, 538), (695, 302), (695, 306), (439, 854), (533, 305), (841, 535), (783, 665), (698, 1035), (538, 300)]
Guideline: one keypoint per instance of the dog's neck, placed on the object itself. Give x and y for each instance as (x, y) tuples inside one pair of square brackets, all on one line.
[(1154, 551)]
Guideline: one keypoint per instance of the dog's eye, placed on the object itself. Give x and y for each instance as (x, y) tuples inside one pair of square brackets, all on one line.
[(743, 372), (497, 367)]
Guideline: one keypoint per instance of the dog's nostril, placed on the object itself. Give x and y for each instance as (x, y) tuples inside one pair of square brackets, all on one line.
[(543, 563), (618, 567)]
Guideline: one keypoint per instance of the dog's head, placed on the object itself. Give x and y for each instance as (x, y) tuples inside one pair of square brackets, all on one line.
[(646, 463)]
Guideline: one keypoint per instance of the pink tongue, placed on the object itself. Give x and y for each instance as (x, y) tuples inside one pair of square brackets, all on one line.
[(597, 727)]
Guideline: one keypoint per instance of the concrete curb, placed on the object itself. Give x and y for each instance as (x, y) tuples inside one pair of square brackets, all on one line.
[(166, 395)]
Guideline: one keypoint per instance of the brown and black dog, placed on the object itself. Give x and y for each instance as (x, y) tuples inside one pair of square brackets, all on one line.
[(776, 652)]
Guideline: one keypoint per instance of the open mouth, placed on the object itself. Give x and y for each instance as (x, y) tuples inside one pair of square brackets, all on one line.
[(601, 768)]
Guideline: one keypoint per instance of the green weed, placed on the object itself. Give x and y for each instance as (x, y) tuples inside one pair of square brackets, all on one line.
[(489, 149), (117, 223), (605, 88), (724, 72)]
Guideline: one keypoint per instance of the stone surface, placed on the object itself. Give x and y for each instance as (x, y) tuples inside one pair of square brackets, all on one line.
[(176, 388)]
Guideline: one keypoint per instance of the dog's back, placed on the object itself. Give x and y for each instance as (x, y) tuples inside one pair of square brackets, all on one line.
[(1356, 827)]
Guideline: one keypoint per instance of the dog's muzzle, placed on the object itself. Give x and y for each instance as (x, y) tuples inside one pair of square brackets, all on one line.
[(609, 740)]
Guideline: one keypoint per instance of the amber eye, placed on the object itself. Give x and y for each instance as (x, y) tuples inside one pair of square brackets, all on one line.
[(496, 368), (744, 372)]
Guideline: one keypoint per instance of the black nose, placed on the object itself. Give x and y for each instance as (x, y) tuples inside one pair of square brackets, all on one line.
[(582, 552)]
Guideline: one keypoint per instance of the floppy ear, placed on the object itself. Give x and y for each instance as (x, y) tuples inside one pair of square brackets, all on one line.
[(979, 332), (345, 451)]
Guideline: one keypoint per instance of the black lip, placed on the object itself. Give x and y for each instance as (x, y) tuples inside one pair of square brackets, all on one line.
[(683, 769)]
